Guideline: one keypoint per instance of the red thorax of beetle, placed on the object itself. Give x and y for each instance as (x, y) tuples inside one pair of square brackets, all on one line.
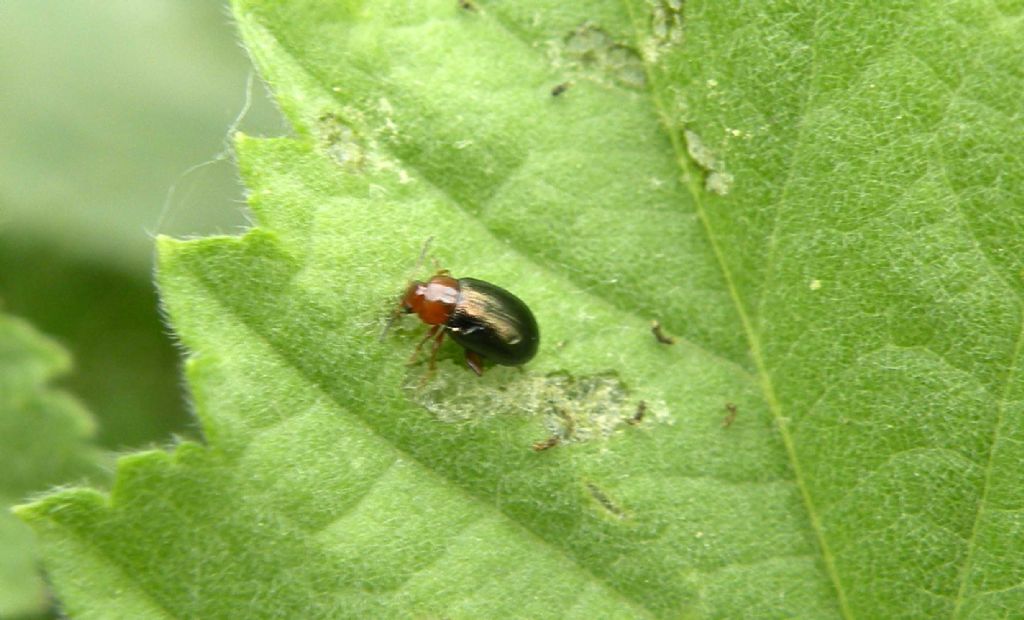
[(433, 301)]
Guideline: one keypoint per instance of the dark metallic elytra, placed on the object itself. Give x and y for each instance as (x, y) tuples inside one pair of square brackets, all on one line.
[(486, 320), (494, 323)]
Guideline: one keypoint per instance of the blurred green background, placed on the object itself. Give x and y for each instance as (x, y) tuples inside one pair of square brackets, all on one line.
[(104, 105), (108, 111)]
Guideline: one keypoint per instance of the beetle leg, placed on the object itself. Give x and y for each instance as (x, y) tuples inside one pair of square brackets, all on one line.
[(430, 334), (475, 362), (435, 347), (438, 338)]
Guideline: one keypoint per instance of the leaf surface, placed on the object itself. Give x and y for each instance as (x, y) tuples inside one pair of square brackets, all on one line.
[(821, 202)]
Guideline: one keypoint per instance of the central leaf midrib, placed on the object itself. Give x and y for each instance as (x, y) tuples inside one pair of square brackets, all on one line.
[(692, 177)]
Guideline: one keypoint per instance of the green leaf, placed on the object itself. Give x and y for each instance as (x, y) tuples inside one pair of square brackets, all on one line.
[(43, 441), (821, 201)]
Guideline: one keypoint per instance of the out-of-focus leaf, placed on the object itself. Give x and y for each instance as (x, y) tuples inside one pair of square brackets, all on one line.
[(125, 365), (44, 440)]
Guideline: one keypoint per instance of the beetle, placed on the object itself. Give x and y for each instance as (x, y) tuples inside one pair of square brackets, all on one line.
[(485, 319)]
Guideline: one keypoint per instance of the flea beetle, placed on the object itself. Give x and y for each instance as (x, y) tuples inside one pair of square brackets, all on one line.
[(486, 320)]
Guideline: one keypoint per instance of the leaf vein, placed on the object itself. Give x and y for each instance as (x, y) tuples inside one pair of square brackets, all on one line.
[(979, 514), (753, 340)]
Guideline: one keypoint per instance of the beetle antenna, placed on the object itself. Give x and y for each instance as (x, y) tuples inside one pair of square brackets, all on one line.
[(391, 321), (398, 309), (423, 253)]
